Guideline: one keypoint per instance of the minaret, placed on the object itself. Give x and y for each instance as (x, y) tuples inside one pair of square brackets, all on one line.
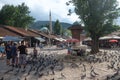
[(50, 23)]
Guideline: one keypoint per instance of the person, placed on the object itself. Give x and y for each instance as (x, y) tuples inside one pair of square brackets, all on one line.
[(69, 50), (8, 52), (2, 50), (22, 56), (35, 52), (14, 55)]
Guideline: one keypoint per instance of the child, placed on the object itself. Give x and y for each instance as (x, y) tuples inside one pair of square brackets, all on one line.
[(35, 52), (69, 50), (2, 50)]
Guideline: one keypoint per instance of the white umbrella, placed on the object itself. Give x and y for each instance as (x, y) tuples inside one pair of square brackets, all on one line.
[(40, 39), (87, 39), (110, 37)]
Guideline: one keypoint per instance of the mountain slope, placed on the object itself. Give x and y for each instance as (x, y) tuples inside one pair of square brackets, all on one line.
[(39, 24)]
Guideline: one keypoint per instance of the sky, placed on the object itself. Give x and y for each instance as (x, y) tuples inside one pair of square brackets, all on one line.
[(40, 9)]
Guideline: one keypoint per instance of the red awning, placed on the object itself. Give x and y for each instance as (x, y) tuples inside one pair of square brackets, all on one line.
[(113, 40)]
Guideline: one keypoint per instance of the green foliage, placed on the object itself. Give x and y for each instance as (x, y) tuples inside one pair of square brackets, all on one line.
[(17, 16), (5, 14), (67, 32), (97, 16), (110, 29), (57, 28)]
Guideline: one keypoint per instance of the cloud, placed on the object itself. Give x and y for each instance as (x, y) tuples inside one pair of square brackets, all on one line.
[(40, 9), (58, 8)]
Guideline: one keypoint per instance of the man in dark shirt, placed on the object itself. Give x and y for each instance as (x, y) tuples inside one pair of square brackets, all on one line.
[(22, 55), (14, 54), (8, 52)]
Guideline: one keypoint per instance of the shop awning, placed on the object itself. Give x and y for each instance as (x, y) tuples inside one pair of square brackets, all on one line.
[(11, 38), (40, 39)]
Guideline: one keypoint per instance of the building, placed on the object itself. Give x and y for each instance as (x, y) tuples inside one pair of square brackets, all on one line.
[(28, 35), (77, 32)]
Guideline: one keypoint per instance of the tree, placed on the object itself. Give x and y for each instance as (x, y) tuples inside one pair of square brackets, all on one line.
[(97, 16), (67, 32), (7, 15), (17, 16), (57, 28)]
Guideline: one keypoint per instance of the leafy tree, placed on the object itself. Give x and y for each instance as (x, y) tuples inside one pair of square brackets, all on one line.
[(17, 16), (7, 15), (97, 16), (67, 32), (57, 28)]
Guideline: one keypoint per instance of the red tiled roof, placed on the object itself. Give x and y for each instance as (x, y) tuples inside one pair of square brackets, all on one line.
[(28, 32), (15, 31), (43, 34), (37, 32), (19, 31), (4, 32)]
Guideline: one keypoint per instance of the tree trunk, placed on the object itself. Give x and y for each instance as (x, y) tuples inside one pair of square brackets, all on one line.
[(95, 45)]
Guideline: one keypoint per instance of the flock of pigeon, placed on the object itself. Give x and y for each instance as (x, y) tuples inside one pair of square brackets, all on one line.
[(43, 64), (47, 64), (111, 58)]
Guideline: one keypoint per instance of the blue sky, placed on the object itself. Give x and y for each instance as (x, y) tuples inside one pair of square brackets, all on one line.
[(40, 9)]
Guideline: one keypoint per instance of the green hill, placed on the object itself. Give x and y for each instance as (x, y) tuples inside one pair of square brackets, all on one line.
[(38, 24)]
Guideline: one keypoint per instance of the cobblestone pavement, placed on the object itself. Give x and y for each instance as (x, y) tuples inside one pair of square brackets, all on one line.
[(73, 70)]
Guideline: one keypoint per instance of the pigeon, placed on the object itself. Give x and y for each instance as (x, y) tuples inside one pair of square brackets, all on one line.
[(94, 72), (25, 78), (52, 79), (83, 76), (115, 74), (62, 75), (84, 67), (2, 78), (92, 75), (18, 78), (40, 75), (30, 70)]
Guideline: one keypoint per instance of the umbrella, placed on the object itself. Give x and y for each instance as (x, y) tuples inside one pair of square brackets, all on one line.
[(72, 40), (60, 39), (113, 40), (40, 39), (11, 38), (110, 37)]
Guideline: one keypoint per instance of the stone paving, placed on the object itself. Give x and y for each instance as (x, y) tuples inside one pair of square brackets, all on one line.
[(68, 73)]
